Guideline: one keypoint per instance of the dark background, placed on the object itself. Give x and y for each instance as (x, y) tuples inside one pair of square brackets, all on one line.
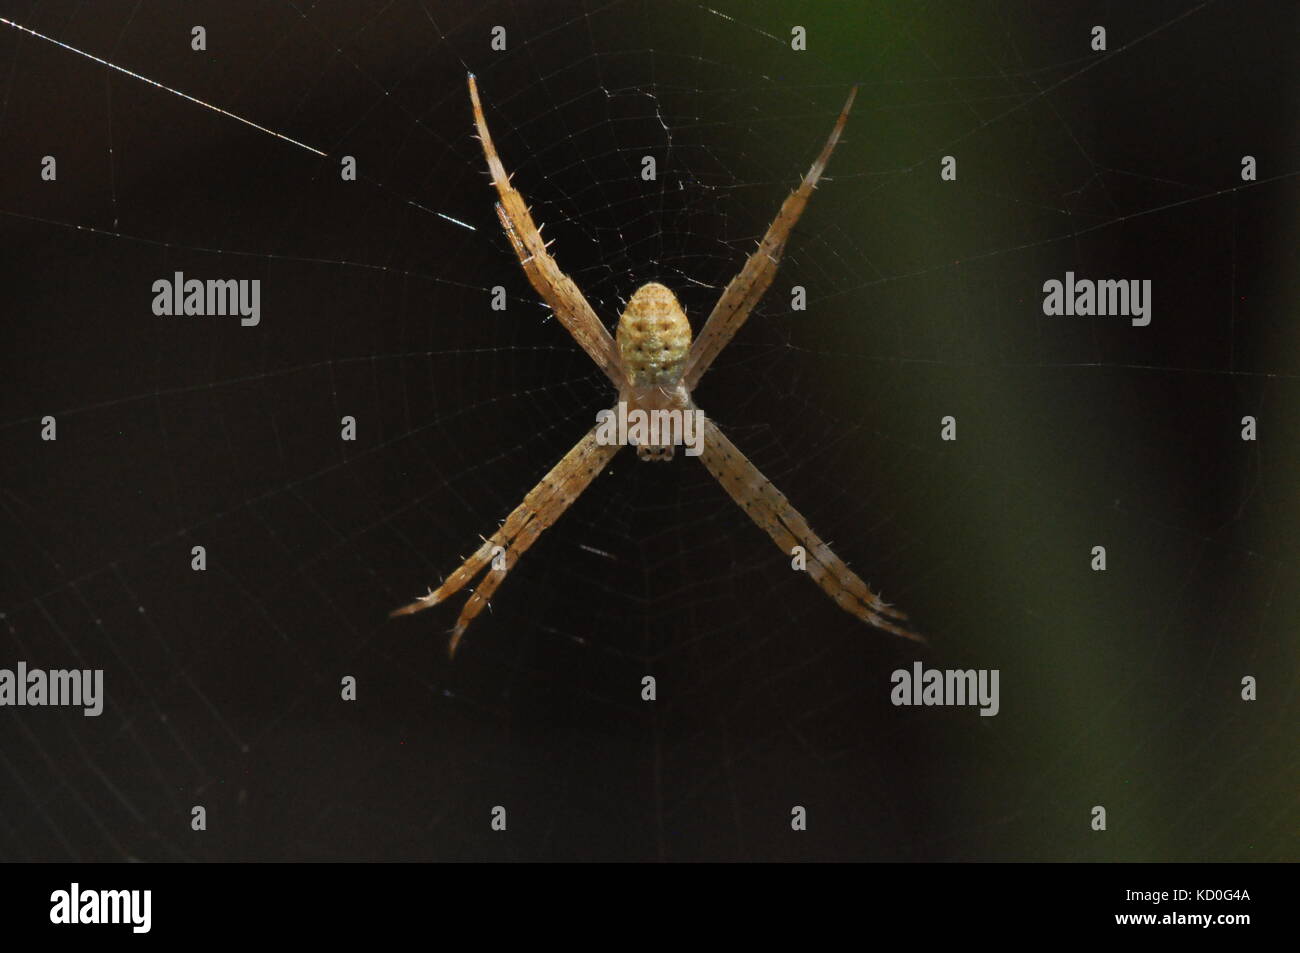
[(1118, 688)]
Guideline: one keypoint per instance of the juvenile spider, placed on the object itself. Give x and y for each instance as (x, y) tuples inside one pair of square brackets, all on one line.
[(653, 366)]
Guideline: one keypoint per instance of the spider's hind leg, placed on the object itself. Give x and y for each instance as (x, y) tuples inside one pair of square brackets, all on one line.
[(541, 507)]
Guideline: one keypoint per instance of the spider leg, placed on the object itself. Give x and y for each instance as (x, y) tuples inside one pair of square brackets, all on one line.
[(767, 507), (747, 288), (555, 287), (541, 507)]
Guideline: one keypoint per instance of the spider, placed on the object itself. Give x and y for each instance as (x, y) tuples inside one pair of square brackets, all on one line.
[(653, 365)]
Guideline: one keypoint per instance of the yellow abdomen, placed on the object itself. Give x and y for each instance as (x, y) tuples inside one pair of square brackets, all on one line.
[(653, 337)]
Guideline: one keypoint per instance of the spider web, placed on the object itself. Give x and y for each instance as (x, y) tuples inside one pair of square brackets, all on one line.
[(1119, 688)]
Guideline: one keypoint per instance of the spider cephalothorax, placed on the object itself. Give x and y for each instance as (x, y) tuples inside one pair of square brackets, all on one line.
[(654, 366)]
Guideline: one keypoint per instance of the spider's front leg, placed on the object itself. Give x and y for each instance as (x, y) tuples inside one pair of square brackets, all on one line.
[(541, 507), (747, 288), (556, 288)]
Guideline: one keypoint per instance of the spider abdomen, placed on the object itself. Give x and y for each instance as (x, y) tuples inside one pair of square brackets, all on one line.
[(653, 337)]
